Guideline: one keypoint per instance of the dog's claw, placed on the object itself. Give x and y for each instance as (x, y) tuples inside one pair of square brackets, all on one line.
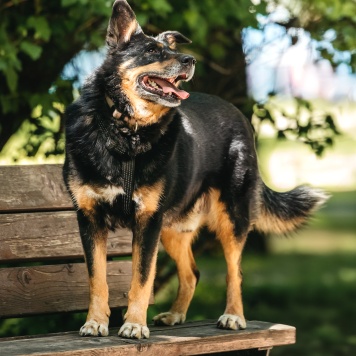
[(231, 322), (169, 318), (93, 328), (134, 331)]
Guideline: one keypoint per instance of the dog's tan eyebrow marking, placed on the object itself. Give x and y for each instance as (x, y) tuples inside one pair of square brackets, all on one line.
[(125, 65), (133, 73)]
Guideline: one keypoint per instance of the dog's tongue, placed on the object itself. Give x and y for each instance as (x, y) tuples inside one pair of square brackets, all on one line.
[(168, 87)]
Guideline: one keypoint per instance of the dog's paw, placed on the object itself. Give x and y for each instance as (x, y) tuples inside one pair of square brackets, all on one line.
[(232, 322), (169, 318), (134, 331), (93, 328)]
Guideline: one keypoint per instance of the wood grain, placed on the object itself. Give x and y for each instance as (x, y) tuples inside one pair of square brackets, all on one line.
[(41, 236), (57, 288), (194, 338), (33, 188)]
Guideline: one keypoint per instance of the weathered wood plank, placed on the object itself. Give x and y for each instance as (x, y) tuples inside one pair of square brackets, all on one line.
[(190, 339), (27, 188), (57, 288), (40, 236)]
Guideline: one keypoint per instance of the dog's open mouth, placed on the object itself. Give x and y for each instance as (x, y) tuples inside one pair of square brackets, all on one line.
[(165, 87)]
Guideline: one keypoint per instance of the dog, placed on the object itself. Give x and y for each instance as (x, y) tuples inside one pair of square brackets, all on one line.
[(141, 154)]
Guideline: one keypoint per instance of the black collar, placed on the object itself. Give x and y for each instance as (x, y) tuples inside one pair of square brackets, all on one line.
[(126, 142), (121, 139)]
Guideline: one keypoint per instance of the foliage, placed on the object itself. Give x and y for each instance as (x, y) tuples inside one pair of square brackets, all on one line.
[(310, 125), (37, 38), (321, 16), (331, 23), (311, 292)]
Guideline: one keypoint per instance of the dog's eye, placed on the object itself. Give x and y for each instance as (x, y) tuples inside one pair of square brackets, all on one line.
[(152, 50)]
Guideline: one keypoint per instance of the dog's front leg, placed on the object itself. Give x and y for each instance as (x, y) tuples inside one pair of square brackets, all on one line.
[(94, 240), (144, 257)]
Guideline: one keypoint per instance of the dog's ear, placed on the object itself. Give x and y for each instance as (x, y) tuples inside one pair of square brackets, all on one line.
[(122, 24), (171, 38)]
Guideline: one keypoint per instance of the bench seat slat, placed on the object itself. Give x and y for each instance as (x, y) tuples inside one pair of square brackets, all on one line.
[(193, 338), (41, 236), (57, 288), (33, 188)]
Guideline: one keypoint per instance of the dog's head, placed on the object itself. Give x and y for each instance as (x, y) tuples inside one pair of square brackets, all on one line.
[(150, 68)]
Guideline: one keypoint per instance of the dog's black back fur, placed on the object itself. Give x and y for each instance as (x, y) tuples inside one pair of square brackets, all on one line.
[(203, 128)]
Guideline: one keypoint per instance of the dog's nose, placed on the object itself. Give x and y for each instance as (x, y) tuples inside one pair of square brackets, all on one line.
[(186, 59)]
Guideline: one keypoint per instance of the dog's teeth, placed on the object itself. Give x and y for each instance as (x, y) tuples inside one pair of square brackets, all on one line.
[(153, 84)]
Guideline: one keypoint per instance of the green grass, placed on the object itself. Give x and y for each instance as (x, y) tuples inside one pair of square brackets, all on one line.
[(308, 281), (314, 293)]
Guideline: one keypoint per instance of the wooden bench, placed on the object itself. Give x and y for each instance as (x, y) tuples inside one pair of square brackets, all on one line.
[(42, 271)]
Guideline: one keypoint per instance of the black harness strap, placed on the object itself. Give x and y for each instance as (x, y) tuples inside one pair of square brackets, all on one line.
[(128, 171), (126, 143), (128, 167)]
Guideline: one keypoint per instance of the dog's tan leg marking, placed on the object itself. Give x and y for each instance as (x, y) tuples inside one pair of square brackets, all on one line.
[(219, 221), (147, 200), (135, 326), (97, 321), (178, 246), (83, 197)]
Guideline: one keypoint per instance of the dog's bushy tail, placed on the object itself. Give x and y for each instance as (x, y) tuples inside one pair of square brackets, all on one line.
[(284, 212)]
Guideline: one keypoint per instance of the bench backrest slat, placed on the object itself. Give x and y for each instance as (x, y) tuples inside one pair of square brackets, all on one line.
[(41, 268), (57, 288), (40, 236), (33, 188)]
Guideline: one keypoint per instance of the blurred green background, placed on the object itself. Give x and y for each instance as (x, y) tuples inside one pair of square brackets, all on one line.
[(269, 59)]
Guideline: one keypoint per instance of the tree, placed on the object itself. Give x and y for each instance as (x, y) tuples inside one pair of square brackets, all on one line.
[(39, 37), (332, 24)]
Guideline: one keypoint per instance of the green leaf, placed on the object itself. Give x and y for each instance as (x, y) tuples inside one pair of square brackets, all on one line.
[(11, 79), (31, 49), (5, 104), (3, 65), (161, 6), (41, 27), (66, 3)]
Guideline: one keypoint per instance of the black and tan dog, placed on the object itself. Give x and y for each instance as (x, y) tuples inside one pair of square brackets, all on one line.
[(141, 154)]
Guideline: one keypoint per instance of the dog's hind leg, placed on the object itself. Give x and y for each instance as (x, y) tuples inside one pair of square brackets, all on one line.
[(233, 317), (178, 246), (220, 222)]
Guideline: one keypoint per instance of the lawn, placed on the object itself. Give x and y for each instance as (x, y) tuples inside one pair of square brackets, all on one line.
[(314, 293), (307, 280)]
